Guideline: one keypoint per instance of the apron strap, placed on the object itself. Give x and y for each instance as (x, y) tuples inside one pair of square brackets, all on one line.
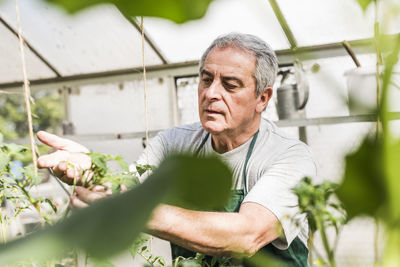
[(202, 144), (249, 152)]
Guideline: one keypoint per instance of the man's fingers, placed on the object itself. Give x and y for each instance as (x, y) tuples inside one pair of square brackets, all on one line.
[(53, 159), (78, 160), (123, 188), (75, 202), (88, 196), (60, 143)]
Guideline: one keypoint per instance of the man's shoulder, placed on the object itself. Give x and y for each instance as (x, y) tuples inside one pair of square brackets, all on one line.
[(183, 130), (274, 134), (184, 136), (276, 141)]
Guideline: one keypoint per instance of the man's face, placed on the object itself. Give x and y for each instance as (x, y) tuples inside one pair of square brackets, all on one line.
[(227, 91)]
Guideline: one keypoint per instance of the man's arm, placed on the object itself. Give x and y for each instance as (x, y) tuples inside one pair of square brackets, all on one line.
[(216, 233)]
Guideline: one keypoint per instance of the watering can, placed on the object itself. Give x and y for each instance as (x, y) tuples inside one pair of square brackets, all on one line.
[(289, 103)]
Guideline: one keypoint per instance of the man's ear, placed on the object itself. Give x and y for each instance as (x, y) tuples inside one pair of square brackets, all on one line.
[(263, 99)]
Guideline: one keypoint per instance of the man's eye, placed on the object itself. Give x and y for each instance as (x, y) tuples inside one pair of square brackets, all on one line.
[(229, 86), (207, 80)]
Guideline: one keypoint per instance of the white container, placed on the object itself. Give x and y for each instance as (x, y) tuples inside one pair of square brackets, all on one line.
[(362, 92)]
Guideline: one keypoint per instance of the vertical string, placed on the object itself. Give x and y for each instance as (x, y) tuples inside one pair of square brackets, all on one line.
[(27, 91), (145, 93), (27, 96), (145, 111)]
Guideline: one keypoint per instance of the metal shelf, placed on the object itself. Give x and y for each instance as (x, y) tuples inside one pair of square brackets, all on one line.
[(281, 123)]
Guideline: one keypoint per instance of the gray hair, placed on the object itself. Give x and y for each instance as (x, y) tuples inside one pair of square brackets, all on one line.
[(266, 61)]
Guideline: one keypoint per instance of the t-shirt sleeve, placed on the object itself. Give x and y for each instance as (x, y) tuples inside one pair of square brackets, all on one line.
[(274, 190)]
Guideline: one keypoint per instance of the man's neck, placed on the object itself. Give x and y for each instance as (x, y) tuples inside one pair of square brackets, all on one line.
[(227, 141)]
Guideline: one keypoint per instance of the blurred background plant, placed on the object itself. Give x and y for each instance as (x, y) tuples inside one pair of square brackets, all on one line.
[(47, 111)]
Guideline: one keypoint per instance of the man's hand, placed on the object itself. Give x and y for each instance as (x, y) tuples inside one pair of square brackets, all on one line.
[(69, 162), (83, 196)]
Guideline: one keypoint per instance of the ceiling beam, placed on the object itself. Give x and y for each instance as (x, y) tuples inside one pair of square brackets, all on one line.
[(34, 51), (190, 68), (152, 44), (285, 26)]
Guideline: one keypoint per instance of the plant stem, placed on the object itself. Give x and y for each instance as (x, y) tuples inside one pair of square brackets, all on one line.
[(310, 246), (376, 240), (3, 227), (324, 238), (30, 199)]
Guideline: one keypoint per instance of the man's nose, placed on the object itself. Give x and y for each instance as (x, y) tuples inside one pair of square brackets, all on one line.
[(213, 92)]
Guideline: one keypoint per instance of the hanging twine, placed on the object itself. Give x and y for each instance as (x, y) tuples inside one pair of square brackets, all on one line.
[(28, 99), (145, 93), (145, 111), (27, 91)]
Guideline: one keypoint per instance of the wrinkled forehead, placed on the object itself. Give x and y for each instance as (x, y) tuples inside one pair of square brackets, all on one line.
[(231, 51), (233, 47)]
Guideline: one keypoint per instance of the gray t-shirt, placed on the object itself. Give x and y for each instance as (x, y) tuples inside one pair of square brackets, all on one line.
[(276, 165)]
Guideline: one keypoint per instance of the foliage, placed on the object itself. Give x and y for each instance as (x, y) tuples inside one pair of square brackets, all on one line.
[(363, 191), (124, 215), (315, 201), (178, 11), (47, 112), (364, 4), (200, 261), (15, 183), (103, 175), (371, 184)]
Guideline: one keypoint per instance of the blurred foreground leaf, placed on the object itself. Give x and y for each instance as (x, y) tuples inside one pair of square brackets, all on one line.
[(393, 177), (262, 259), (111, 225), (363, 190), (364, 4), (178, 11), (191, 192)]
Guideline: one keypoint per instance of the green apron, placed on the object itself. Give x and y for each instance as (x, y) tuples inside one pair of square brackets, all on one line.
[(295, 255)]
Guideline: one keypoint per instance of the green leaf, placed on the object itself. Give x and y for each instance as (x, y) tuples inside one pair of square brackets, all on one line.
[(393, 171), (178, 11), (101, 263), (364, 4), (141, 169), (122, 163), (99, 160), (1, 138), (53, 207), (262, 259), (142, 238), (363, 190), (29, 172), (110, 225), (4, 161), (15, 150), (199, 191)]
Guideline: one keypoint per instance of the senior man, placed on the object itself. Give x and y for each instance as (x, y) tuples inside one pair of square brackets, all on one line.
[(237, 72)]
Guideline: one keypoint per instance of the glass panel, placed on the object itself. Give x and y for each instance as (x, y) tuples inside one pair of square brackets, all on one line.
[(119, 108), (330, 143), (318, 22), (188, 41), (188, 105), (98, 39), (10, 58)]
